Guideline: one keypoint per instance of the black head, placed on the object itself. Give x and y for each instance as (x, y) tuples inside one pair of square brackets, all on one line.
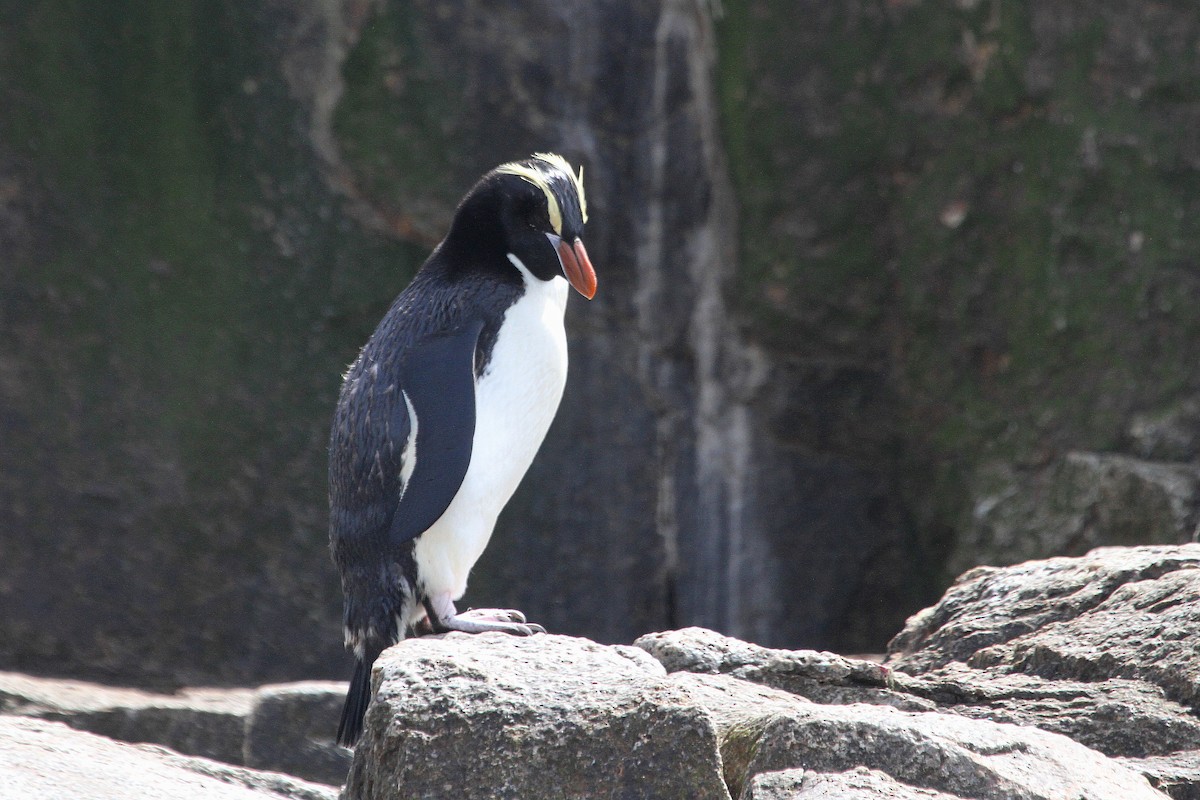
[(533, 210)]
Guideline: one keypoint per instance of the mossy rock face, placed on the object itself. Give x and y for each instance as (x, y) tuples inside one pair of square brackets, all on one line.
[(966, 233), (179, 295), (204, 211), (991, 205)]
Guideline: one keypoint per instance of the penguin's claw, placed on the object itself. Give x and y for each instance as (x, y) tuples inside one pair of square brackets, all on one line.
[(493, 614), (478, 620), (466, 624), (508, 620)]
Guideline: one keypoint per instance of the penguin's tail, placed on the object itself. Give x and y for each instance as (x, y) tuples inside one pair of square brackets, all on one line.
[(357, 699)]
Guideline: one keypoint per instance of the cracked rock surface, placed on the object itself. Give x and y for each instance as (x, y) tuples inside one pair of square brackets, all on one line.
[(1063, 679), (493, 716)]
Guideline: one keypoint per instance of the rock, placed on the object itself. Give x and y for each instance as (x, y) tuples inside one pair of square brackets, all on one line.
[(821, 677), (1020, 683), (202, 722), (495, 716), (1177, 774), (491, 716), (940, 751), (783, 785), (766, 730), (1099, 648), (282, 727), (1115, 613), (1171, 434), (980, 370), (272, 783), (855, 784), (42, 759), (1118, 717), (700, 650), (291, 730), (739, 711), (1074, 504)]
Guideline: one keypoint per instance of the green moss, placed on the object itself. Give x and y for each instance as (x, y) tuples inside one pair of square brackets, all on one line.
[(1051, 306), (113, 118), (396, 120), (190, 296), (739, 746)]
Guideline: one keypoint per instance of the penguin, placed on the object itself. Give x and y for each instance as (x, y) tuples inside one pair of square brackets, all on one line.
[(445, 407)]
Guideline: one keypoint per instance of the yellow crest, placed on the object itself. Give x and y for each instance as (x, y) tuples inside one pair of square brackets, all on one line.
[(541, 177)]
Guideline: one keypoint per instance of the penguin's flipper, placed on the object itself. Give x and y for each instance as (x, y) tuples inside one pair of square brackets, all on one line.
[(439, 400)]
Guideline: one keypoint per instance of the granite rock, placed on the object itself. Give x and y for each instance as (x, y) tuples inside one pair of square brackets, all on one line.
[(1075, 503), (201, 722), (1099, 648), (494, 716), (855, 784), (286, 728), (819, 676), (1114, 613), (491, 716), (291, 729), (45, 759), (767, 730)]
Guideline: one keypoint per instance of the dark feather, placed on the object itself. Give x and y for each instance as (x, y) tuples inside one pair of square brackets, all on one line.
[(355, 709), (439, 380)]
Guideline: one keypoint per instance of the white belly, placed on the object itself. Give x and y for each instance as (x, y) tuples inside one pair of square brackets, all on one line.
[(515, 401)]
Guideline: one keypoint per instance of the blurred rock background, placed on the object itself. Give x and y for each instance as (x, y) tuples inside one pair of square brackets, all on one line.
[(887, 289)]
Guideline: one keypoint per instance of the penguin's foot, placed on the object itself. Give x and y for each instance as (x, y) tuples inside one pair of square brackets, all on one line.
[(443, 617)]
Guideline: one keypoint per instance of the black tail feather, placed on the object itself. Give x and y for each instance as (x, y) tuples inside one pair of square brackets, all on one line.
[(355, 709)]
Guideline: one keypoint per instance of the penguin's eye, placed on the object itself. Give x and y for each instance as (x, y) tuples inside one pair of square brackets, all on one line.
[(535, 218), (529, 209)]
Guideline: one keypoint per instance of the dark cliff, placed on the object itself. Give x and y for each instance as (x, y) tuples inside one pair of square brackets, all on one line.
[(855, 260)]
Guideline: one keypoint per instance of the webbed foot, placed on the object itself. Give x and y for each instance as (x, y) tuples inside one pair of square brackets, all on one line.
[(443, 617)]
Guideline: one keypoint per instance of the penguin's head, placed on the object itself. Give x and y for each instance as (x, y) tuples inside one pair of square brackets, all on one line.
[(533, 210)]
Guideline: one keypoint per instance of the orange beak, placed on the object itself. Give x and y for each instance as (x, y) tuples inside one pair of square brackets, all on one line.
[(577, 267)]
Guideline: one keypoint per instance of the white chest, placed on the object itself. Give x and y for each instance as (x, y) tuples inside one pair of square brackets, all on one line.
[(516, 398), (518, 393)]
